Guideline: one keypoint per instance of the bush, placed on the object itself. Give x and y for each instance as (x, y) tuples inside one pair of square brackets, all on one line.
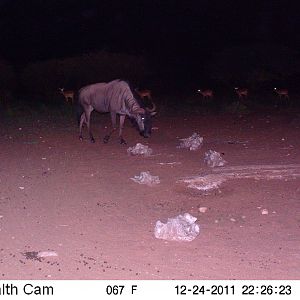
[(41, 80), (7, 85), (7, 76), (254, 65)]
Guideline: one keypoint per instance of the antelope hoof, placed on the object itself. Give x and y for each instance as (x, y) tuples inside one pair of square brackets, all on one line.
[(92, 140), (106, 139), (122, 141), (80, 138)]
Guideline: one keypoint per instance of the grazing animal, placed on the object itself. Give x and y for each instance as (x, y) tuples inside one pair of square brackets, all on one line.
[(114, 97), (69, 95), (282, 93), (206, 94), (242, 93)]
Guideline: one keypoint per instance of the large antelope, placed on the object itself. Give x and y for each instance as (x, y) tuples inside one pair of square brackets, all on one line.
[(116, 98), (69, 95), (282, 93), (206, 94), (242, 93)]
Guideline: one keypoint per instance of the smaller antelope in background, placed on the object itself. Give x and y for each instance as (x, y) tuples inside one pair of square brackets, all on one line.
[(206, 94), (144, 93), (242, 93), (69, 95), (282, 93)]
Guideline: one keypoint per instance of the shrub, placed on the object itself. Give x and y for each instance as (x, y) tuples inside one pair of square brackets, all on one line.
[(41, 80)]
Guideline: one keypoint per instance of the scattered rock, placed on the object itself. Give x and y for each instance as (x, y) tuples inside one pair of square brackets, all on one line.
[(46, 253), (38, 255), (205, 183), (203, 209), (192, 143), (146, 178), (140, 149), (180, 228), (214, 159)]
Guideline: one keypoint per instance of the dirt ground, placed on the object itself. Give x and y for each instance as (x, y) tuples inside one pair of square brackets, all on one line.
[(77, 199)]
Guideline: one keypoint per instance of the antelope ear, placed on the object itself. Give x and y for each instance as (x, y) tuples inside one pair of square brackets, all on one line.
[(139, 111), (153, 113)]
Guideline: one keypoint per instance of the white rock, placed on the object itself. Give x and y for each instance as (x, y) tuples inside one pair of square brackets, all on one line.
[(214, 159), (193, 142), (146, 178), (46, 253), (140, 149), (202, 209)]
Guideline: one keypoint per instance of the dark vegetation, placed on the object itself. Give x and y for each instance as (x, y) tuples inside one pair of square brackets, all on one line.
[(260, 68)]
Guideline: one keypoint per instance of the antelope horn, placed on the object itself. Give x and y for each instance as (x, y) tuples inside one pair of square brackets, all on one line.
[(151, 109)]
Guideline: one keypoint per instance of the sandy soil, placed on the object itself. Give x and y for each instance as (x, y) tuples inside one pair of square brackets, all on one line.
[(77, 199)]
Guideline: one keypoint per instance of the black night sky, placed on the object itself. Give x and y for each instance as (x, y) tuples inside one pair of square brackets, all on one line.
[(179, 36)]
